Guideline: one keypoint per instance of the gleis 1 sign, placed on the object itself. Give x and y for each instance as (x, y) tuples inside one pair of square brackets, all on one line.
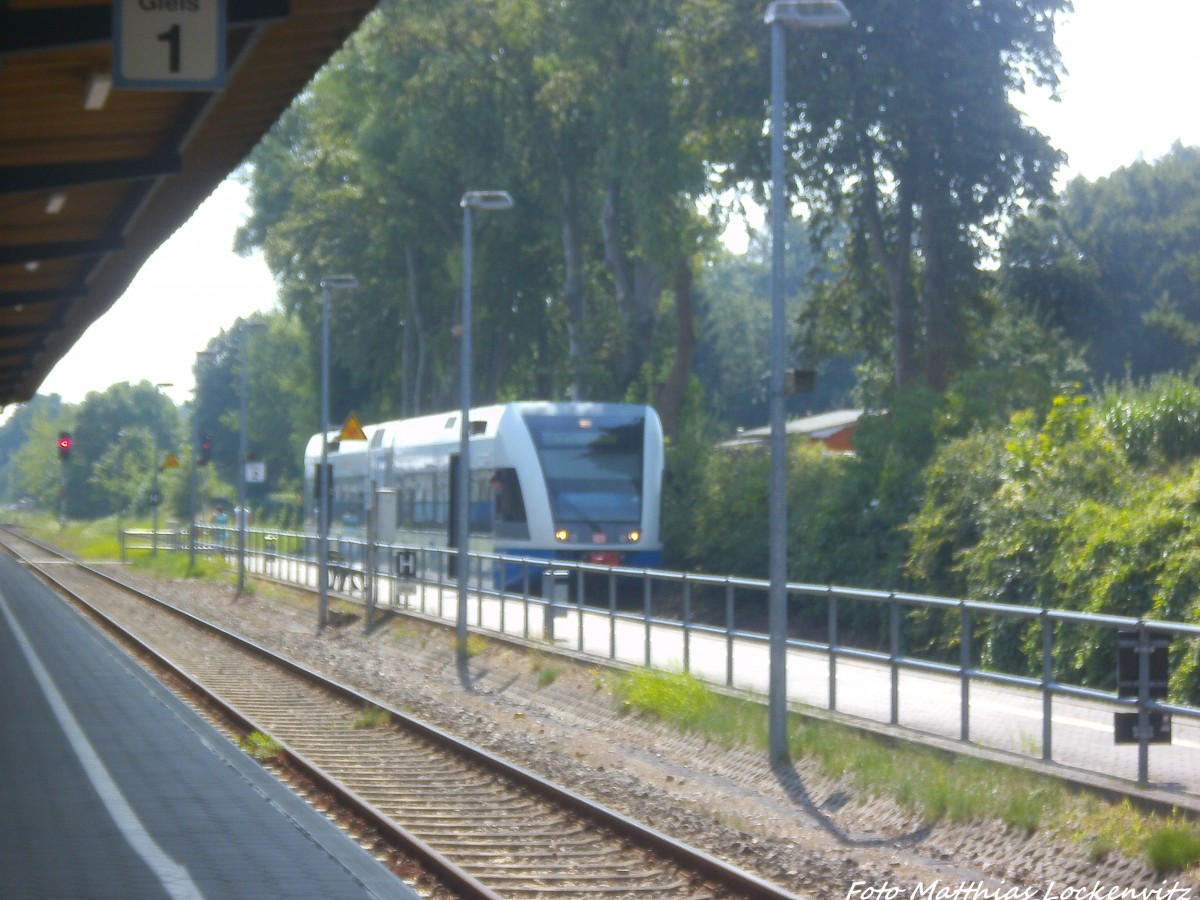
[(169, 44)]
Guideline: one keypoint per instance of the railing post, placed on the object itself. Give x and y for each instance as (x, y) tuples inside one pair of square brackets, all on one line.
[(612, 615), (478, 588), (1143, 649), (964, 671), (729, 629), (648, 610), (525, 599), (687, 616), (832, 602), (579, 598), (894, 641), (1047, 685)]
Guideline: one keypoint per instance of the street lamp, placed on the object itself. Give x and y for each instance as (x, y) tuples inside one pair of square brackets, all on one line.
[(483, 200), (327, 283), (195, 486), (155, 499), (782, 14), (241, 514)]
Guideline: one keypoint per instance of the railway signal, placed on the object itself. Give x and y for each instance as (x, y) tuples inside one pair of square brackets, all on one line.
[(64, 445), (205, 451)]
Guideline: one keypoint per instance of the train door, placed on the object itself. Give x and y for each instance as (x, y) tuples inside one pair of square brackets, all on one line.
[(452, 517)]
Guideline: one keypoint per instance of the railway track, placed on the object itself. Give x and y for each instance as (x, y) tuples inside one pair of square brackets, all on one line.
[(481, 826)]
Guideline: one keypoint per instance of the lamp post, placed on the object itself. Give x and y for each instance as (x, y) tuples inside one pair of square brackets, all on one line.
[(327, 284), (483, 200), (154, 493), (780, 15), (241, 514), (195, 485)]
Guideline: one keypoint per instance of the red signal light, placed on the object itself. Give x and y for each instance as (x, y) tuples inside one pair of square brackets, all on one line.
[(64, 444)]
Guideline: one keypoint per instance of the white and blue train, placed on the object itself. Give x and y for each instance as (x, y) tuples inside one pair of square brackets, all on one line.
[(567, 481)]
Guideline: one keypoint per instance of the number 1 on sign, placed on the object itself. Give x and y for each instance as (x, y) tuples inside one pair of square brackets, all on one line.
[(171, 37)]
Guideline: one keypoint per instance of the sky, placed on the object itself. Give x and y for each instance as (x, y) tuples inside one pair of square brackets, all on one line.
[(1129, 94)]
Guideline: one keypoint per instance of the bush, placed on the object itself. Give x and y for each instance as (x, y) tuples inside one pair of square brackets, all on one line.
[(1159, 424)]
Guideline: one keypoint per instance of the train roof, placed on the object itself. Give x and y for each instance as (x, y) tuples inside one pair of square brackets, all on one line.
[(442, 428)]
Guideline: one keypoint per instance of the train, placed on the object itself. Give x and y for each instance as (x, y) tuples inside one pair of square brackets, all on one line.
[(553, 481)]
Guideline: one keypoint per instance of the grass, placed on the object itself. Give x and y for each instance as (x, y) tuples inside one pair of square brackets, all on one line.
[(372, 716), (1172, 847), (547, 675), (476, 645), (261, 746), (939, 786), (97, 540)]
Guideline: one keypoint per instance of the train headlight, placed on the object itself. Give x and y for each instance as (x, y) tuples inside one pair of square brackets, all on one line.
[(562, 534), (634, 536)]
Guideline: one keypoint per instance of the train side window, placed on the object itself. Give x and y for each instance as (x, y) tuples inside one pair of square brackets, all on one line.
[(480, 508), (510, 504)]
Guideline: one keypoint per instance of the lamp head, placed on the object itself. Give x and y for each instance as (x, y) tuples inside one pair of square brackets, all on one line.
[(486, 200), (339, 281), (808, 13)]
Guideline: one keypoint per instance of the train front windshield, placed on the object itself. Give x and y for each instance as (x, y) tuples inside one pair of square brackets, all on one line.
[(592, 465)]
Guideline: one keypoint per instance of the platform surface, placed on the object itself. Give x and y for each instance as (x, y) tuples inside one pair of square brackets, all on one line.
[(111, 786)]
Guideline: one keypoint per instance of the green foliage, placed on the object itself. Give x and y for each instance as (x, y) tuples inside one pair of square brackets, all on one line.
[(1113, 264), (858, 535), (281, 405), (1159, 423), (261, 746), (34, 470), (372, 716), (1018, 365), (1173, 848), (690, 705), (1064, 511)]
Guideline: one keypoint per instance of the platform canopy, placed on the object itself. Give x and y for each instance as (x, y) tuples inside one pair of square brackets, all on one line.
[(93, 178)]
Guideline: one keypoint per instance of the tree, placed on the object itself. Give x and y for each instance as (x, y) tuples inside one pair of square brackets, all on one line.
[(34, 469), (1113, 264), (136, 420), (905, 130), (578, 113), (282, 407), (16, 433)]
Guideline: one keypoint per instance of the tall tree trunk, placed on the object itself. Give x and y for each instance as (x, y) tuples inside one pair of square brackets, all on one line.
[(937, 349), (896, 263), (573, 292), (638, 286), (940, 343), (673, 392), (415, 387)]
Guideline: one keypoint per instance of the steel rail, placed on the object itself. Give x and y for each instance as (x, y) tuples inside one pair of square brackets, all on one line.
[(452, 875), (694, 859)]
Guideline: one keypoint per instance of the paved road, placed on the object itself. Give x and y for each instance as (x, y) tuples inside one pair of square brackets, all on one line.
[(1003, 718)]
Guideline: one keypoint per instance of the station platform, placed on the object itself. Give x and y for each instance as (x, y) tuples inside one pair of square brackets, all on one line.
[(111, 786)]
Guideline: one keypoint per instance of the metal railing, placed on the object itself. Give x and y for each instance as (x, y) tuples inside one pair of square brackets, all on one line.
[(681, 611)]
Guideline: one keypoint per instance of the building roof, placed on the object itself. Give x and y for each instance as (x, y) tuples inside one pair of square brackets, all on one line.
[(817, 428), (87, 195)]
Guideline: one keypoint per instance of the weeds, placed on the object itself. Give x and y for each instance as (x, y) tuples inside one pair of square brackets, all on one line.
[(939, 786), (476, 644), (261, 746), (1173, 847), (372, 716)]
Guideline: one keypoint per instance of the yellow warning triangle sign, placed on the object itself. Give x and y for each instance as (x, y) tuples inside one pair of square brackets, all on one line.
[(352, 430), (172, 461)]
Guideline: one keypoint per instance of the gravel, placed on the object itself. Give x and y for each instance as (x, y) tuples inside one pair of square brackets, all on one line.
[(818, 835)]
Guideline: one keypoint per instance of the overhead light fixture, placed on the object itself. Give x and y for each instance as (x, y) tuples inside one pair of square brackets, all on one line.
[(56, 202), (98, 87)]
